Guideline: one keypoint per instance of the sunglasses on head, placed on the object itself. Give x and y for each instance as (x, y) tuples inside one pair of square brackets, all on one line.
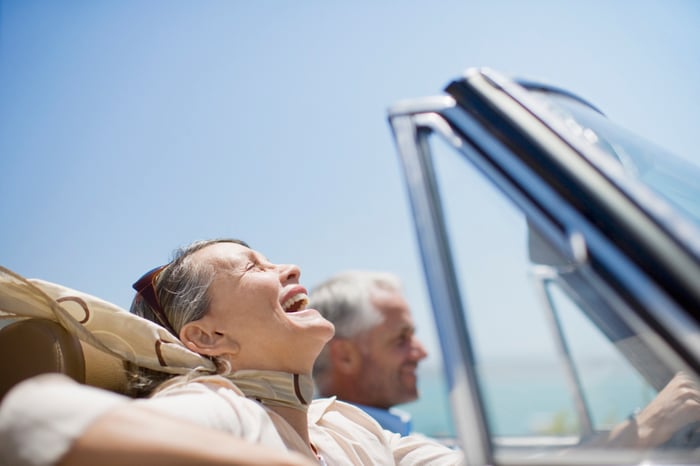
[(146, 288)]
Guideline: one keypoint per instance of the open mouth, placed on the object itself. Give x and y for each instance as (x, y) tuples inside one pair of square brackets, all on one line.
[(296, 303)]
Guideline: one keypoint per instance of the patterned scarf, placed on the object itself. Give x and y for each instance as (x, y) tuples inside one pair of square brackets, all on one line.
[(273, 388)]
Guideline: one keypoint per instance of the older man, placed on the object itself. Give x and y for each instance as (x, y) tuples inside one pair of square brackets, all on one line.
[(372, 360)]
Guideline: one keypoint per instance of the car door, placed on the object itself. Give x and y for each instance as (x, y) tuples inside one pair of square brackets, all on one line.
[(562, 260)]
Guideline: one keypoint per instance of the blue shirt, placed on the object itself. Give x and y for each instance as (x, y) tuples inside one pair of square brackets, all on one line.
[(392, 419)]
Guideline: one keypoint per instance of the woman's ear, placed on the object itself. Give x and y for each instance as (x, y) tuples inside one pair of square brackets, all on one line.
[(199, 338), (345, 356)]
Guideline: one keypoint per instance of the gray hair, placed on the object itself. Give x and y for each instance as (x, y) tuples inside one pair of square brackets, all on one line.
[(182, 291), (346, 301)]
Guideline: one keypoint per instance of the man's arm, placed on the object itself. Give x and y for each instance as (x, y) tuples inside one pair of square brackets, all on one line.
[(676, 405)]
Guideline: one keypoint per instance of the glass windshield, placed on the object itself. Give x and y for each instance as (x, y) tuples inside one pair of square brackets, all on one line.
[(675, 179), (563, 365)]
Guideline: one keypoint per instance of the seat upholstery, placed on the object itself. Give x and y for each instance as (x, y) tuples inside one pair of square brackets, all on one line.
[(34, 346)]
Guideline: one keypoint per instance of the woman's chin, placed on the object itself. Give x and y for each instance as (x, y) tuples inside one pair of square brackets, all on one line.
[(315, 330), (311, 318), (305, 314)]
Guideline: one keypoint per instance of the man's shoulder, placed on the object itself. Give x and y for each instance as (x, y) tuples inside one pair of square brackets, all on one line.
[(392, 419)]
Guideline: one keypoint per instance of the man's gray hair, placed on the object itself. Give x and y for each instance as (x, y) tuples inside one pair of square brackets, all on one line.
[(346, 300)]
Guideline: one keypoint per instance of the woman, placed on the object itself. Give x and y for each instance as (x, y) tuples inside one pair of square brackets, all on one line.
[(230, 384), (229, 303)]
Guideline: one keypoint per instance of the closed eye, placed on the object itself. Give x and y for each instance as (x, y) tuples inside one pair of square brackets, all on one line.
[(256, 265), (257, 262), (252, 266)]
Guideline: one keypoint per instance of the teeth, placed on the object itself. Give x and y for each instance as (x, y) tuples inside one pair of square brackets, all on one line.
[(296, 303)]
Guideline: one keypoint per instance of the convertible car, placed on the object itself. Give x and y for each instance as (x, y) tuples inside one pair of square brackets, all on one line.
[(562, 258)]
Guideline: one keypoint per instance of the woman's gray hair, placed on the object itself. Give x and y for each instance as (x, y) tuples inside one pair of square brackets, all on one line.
[(346, 301), (182, 291)]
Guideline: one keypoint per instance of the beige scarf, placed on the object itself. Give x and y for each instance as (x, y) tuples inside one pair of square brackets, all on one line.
[(99, 323), (116, 331), (273, 388)]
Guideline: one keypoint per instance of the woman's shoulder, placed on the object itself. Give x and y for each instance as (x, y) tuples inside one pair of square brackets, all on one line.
[(198, 384), (215, 402), (213, 398)]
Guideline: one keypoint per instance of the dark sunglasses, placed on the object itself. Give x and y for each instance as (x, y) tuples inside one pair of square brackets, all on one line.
[(145, 287)]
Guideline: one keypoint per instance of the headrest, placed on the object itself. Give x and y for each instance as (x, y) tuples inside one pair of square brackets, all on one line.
[(104, 335), (34, 346)]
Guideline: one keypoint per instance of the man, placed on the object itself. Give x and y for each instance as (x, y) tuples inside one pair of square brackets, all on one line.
[(372, 359)]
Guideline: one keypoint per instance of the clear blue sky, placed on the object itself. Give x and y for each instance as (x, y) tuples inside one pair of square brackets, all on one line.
[(129, 128)]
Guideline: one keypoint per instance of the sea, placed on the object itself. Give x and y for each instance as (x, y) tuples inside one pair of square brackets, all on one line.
[(527, 399)]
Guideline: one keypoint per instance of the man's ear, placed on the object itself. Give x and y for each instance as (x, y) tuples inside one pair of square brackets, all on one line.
[(345, 355), (198, 337)]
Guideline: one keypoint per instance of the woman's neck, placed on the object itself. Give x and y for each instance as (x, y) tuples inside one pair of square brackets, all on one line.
[(287, 395)]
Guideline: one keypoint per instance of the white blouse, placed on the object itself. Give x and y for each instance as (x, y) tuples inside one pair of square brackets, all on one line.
[(41, 417)]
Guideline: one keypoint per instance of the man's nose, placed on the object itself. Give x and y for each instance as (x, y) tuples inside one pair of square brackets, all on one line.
[(418, 351)]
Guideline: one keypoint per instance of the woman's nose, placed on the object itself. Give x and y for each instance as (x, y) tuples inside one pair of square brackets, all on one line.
[(289, 272)]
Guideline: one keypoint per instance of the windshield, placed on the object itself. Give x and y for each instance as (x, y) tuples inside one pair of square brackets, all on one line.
[(675, 179)]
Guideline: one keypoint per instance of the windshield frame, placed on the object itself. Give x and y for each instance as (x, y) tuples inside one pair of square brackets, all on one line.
[(639, 159), (626, 211), (537, 168)]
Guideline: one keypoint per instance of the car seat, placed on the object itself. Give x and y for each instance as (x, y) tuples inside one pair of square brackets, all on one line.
[(33, 346)]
